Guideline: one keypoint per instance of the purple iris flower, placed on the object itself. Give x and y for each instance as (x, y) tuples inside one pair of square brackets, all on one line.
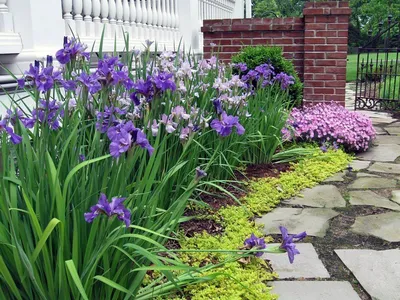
[(107, 118), (284, 79), (144, 88), (241, 66), (217, 106), (255, 242), (200, 173), (69, 85), (163, 81), (82, 157), (113, 208), (33, 71), (14, 138), (49, 112), (288, 242), (140, 139), (121, 143), (21, 83), (71, 50), (323, 148), (224, 125), (44, 80), (90, 81)]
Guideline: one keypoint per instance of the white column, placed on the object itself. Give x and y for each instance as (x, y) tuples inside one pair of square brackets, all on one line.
[(189, 27), (89, 25), (6, 18), (126, 15), (67, 15), (150, 21), (144, 19), (96, 9), (77, 9), (238, 11), (104, 17), (139, 18), (134, 29), (112, 14), (120, 15), (248, 9)]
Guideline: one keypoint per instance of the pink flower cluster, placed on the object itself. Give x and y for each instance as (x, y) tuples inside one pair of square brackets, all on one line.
[(330, 123)]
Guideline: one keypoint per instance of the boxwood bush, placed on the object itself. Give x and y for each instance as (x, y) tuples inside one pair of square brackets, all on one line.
[(255, 56)]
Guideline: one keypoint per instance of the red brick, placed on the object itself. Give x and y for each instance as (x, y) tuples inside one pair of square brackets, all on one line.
[(212, 35), (330, 91), (324, 62), (225, 55), (298, 41), (341, 77), (323, 48), (324, 77), (295, 34), (329, 33), (336, 98), (282, 27), (343, 19), (272, 34), (344, 4), (313, 98), (231, 48), (217, 28), (293, 48), (343, 26), (319, 55), (326, 4), (313, 11), (314, 83), (336, 70), (315, 41), (287, 41), (310, 33), (341, 11), (344, 33), (252, 34), (341, 63), (309, 63), (334, 83), (336, 55), (241, 41), (308, 48), (342, 47), (241, 27), (315, 26), (309, 19), (337, 41), (313, 69), (262, 41), (232, 35), (340, 91), (262, 27), (325, 19), (308, 76)]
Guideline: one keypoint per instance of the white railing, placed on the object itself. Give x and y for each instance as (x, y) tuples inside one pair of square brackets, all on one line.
[(10, 42), (31, 29)]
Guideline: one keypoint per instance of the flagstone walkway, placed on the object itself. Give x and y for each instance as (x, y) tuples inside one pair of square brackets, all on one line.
[(353, 223)]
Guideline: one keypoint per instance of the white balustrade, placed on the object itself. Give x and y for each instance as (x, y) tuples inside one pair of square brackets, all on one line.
[(96, 10), (112, 14), (120, 15), (67, 14), (126, 15), (134, 27), (87, 19), (139, 18), (78, 18), (6, 19)]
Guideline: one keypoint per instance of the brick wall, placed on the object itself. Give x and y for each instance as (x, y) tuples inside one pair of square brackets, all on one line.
[(316, 43)]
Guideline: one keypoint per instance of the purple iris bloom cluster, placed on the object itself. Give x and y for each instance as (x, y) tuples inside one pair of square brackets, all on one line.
[(48, 112), (124, 135), (288, 242), (43, 78), (113, 208), (71, 50), (284, 79), (108, 118), (254, 242), (4, 127), (242, 67), (223, 126), (158, 83)]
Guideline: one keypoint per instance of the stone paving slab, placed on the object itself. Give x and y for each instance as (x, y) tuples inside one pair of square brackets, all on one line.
[(359, 165), (384, 153), (325, 196), (314, 290), (380, 131), (377, 271), (361, 175), (315, 221), (373, 183), (385, 226), (387, 139), (338, 177), (396, 196), (305, 265), (385, 168), (372, 199), (393, 130)]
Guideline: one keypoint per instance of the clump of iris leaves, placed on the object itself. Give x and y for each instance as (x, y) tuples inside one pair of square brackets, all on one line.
[(97, 173)]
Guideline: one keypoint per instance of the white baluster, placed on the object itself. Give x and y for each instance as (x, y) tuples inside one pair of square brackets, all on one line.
[(134, 29), (159, 35), (112, 15), (169, 21), (88, 24), (6, 18), (96, 9), (120, 15), (177, 33), (155, 19), (144, 19), (150, 21), (67, 9), (139, 18), (127, 14), (104, 17), (164, 21), (77, 8)]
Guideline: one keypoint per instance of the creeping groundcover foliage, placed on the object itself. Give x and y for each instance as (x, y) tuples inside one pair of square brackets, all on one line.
[(95, 176)]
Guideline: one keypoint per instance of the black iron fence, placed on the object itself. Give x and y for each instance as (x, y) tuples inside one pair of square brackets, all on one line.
[(378, 71)]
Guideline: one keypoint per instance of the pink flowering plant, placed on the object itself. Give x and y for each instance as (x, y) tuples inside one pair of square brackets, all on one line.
[(97, 173), (330, 125)]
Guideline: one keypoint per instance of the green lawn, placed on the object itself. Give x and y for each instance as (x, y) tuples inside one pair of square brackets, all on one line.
[(351, 73)]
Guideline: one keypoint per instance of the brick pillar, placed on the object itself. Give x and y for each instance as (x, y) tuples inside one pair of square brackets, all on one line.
[(325, 51)]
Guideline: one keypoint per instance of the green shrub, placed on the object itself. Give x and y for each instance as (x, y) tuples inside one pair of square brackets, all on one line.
[(255, 56)]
